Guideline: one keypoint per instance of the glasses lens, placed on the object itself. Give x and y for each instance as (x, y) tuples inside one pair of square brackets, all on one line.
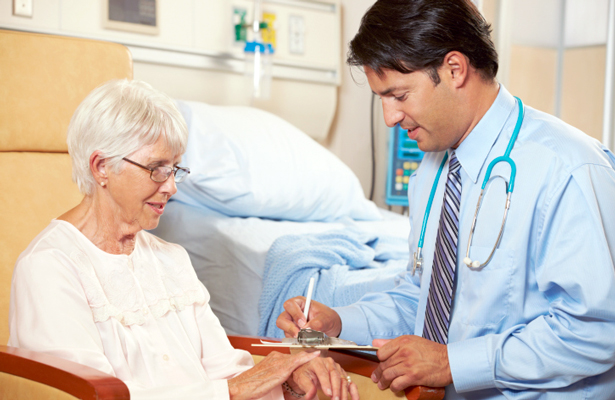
[(161, 174), (181, 174)]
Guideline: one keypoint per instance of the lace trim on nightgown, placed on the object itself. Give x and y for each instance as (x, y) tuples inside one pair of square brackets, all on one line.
[(129, 289)]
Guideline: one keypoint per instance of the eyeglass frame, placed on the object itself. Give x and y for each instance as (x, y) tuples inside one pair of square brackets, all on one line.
[(151, 171)]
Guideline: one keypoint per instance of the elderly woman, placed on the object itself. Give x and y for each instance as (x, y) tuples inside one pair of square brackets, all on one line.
[(95, 288)]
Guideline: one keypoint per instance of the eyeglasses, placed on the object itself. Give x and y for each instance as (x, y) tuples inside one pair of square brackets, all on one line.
[(161, 173)]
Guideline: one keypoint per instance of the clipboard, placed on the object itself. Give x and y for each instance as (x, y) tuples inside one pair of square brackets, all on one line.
[(332, 346)]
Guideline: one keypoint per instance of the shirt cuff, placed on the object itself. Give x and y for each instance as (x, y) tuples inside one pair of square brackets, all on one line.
[(354, 325), (470, 365), (220, 388)]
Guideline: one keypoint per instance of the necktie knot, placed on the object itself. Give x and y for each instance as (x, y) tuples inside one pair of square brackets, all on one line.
[(453, 165)]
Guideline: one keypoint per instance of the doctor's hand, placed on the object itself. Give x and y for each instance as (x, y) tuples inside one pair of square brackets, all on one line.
[(324, 374), (321, 318), (409, 361)]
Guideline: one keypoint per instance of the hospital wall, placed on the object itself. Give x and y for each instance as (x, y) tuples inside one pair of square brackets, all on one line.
[(532, 78), (335, 111), (529, 36)]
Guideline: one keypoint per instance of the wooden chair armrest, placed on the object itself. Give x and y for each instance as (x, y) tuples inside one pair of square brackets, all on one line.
[(75, 379), (357, 363)]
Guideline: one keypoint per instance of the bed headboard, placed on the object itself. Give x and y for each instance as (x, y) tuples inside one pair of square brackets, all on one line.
[(43, 80)]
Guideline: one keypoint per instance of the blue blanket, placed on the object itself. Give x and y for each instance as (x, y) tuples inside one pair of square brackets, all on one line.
[(345, 264)]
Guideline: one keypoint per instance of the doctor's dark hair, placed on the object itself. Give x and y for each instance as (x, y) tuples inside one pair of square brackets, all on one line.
[(416, 35)]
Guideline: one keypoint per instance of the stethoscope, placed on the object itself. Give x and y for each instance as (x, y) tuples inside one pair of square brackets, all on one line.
[(474, 265)]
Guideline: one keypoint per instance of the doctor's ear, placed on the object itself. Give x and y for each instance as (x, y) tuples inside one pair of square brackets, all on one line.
[(455, 68), (98, 168)]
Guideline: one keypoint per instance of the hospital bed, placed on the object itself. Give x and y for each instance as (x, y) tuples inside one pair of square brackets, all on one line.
[(229, 253), (44, 78)]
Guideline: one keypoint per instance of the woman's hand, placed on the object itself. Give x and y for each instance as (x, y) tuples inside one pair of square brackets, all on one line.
[(326, 374), (266, 375)]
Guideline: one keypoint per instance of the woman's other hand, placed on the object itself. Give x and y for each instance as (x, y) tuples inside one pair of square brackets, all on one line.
[(326, 375), (321, 318), (267, 374)]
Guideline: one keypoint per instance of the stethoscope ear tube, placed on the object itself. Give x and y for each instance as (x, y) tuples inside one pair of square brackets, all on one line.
[(513, 172)]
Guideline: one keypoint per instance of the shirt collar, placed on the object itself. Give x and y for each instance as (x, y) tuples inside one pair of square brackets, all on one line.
[(473, 151)]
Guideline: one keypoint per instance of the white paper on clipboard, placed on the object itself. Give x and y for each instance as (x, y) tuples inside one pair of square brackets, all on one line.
[(265, 343)]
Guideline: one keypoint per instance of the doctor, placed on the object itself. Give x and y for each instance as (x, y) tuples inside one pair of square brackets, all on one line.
[(537, 318)]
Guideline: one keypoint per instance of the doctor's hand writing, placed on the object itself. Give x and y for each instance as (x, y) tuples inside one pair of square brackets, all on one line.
[(321, 318), (409, 361)]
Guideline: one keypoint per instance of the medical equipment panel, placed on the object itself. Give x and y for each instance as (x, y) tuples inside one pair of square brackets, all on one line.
[(404, 158)]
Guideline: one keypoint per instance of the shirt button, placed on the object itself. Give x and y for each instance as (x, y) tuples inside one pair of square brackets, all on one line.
[(165, 357)]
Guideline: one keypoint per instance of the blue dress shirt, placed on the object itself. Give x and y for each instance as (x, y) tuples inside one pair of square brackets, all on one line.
[(538, 321)]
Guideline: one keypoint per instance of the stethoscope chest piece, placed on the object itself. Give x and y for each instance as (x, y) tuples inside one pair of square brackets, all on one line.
[(417, 262), (472, 264)]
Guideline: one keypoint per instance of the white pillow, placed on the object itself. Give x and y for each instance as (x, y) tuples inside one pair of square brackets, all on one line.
[(247, 162)]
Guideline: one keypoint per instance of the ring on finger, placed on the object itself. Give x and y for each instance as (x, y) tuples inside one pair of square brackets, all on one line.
[(348, 379)]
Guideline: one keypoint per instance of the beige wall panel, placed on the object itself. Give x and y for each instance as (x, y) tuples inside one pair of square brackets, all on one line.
[(213, 31), (350, 133), (583, 89), (308, 106), (490, 11), (322, 30), (533, 79), (533, 76), (174, 20), (44, 15)]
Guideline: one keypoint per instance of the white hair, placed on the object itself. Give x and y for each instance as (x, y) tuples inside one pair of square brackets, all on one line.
[(118, 118)]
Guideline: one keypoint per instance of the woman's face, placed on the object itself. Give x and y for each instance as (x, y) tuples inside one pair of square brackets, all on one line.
[(137, 200)]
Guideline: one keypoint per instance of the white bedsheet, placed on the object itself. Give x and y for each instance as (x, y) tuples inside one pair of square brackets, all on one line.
[(228, 253)]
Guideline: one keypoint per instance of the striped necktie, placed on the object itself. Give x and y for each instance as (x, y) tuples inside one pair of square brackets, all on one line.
[(437, 314)]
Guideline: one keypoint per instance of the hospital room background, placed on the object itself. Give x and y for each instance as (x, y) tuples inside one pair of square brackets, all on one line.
[(300, 156)]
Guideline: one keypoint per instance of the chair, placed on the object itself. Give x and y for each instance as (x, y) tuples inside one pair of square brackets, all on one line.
[(43, 78)]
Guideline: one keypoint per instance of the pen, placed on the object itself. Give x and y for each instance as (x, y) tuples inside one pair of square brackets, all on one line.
[(308, 299)]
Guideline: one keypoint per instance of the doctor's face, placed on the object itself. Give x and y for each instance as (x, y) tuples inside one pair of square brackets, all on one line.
[(427, 111)]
